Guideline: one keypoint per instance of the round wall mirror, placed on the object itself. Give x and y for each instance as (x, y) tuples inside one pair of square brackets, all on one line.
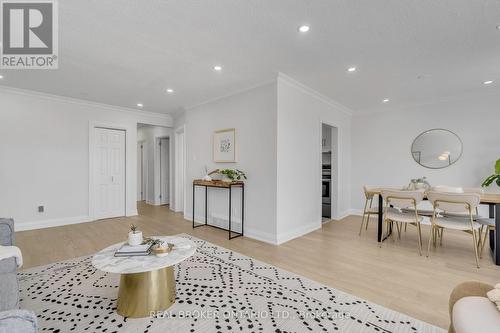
[(436, 148)]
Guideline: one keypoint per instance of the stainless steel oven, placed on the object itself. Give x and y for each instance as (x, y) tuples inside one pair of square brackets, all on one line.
[(326, 200)]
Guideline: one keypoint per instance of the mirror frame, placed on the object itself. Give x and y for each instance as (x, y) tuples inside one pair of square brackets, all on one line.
[(437, 129)]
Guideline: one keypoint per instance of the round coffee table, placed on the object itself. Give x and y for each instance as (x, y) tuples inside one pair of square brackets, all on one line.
[(147, 283)]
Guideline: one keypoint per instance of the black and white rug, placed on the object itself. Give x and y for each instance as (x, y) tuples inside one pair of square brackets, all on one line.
[(218, 290)]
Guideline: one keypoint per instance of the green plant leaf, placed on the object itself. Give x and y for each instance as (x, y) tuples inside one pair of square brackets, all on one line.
[(497, 167), (487, 182), (498, 181)]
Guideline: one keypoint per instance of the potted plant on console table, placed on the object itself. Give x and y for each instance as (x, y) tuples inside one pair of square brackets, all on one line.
[(231, 175)]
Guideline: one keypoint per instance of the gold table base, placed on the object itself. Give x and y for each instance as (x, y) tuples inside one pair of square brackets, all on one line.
[(140, 294)]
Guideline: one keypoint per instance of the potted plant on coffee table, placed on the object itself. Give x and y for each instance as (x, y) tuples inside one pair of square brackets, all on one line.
[(134, 236)]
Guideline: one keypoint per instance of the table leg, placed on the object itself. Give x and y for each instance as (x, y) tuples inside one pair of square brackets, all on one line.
[(229, 212), (206, 205), (242, 206), (495, 235), (142, 294), (380, 218), (194, 190), (492, 233)]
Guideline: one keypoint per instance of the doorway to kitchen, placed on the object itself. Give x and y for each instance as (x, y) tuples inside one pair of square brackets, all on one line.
[(329, 172)]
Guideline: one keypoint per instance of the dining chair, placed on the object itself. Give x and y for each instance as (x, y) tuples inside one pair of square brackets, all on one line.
[(487, 225), (395, 202), (461, 204), (369, 209), (438, 232)]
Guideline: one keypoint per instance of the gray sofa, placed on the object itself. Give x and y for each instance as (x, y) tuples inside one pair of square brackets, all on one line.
[(12, 320)]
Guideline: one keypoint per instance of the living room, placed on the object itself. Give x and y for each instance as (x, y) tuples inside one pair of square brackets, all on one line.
[(164, 170)]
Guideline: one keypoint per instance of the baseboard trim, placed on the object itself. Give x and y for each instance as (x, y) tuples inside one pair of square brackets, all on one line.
[(248, 232), (261, 236), (132, 213), (32, 225), (301, 231), (356, 212)]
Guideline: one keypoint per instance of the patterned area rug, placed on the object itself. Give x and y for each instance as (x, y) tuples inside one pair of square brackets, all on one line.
[(218, 290)]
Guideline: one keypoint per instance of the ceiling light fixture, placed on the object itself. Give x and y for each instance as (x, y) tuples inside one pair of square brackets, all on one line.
[(1, 77), (170, 90), (385, 100), (488, 82), (217, 68), (351, 69), (304, 28), (140, 105)]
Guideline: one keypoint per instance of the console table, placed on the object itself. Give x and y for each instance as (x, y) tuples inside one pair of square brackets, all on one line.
[(224, 185)]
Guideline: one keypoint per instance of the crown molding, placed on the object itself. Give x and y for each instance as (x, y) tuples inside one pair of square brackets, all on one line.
[(434, 101), (327, 100), (234, 93), (59, 98)]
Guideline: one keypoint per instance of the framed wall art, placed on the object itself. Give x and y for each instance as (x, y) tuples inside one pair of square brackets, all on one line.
[(224, 146)]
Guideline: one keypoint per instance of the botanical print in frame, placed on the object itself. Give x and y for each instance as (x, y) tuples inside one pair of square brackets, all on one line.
[(224, 148)]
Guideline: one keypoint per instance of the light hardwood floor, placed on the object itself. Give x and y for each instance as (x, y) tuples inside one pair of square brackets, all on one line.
[(394, 276)]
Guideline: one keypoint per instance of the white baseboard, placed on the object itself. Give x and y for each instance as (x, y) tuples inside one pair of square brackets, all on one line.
[(260, 236), (248, 232), (356, 212), (349, 212), (289, 235), (133, 212), (21, 226)]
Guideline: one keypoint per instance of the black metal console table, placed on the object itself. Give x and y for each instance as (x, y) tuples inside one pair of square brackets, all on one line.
[(220, 184)]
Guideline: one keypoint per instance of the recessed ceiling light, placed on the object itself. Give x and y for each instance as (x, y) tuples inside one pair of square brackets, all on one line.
[(1, 77), (140, 105), (498, 27), (217, 68), (304, 28), (488, 82), (351, 69), (385, 100), (170, 90)]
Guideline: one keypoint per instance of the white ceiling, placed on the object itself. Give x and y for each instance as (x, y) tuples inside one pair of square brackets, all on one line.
[(123, 52)]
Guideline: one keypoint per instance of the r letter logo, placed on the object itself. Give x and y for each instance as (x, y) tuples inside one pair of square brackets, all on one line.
[(29, 34)]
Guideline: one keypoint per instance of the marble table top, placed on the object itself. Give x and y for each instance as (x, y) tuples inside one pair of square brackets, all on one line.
[(107, 262)]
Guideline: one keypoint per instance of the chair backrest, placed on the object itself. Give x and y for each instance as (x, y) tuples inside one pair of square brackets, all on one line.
[(454, 202), (368, 194), (403, 199), (447, 189)]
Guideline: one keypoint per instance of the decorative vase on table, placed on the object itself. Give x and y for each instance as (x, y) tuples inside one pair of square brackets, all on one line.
[(418, 184)]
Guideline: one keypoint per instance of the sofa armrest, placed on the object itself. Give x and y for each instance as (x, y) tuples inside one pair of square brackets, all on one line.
[(18, 321), (466, 289), (7, 232)]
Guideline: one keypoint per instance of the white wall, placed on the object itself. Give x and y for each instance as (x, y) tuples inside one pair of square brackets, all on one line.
[(382, 141), (44, 151), (253, 115), (300, 114), (150, 135)]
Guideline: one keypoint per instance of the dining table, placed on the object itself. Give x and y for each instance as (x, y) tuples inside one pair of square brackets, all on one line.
[(490, 199)]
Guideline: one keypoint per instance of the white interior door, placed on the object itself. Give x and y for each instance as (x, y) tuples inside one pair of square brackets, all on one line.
[(140, 172), (164, 161), (109, 172), (179, 172)]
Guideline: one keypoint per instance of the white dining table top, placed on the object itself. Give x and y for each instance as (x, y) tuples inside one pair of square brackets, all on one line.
[(486, 198), (105, 260)]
